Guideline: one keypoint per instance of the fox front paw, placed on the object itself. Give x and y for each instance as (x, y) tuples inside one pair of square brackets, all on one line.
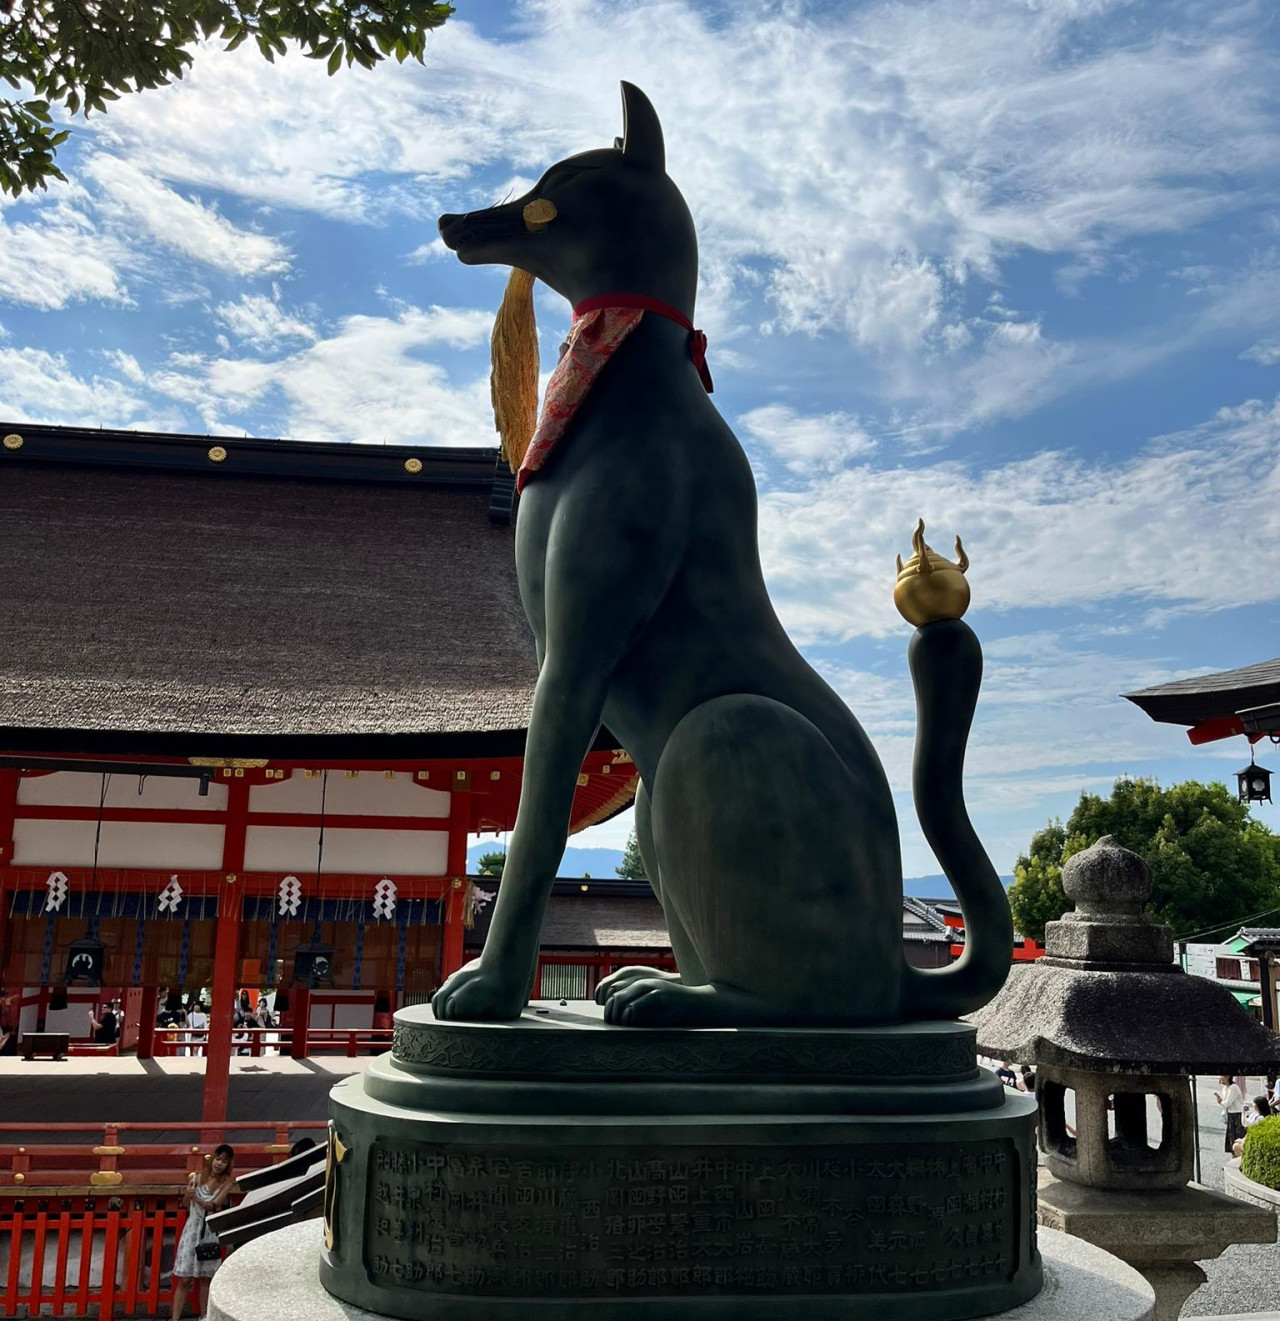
[(615, 981), (478, 993)]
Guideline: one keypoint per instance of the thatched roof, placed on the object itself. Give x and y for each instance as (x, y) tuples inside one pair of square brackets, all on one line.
[(288, 599)]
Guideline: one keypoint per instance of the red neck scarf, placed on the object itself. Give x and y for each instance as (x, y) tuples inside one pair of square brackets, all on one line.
[(697, 338), (600, 325)]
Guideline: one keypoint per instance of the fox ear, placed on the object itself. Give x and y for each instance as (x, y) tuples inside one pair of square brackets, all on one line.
[(641, 131)]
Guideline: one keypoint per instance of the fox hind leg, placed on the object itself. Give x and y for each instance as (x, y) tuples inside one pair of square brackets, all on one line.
[(779, 863)]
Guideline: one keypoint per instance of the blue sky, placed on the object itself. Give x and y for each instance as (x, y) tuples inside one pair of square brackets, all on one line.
[(1011, 265)]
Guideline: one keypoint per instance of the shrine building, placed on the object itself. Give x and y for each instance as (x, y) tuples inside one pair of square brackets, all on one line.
[(254, 697)]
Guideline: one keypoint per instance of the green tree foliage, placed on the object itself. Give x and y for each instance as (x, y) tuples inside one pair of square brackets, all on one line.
[(491, 864), (81, 54), (1211, 863), (631, 867)]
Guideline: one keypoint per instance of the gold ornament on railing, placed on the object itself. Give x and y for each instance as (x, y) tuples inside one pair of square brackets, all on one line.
[(930, 586)]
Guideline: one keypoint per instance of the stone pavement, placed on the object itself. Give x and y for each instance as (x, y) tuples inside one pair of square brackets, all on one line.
[(97, 1091), (1245, 1280)]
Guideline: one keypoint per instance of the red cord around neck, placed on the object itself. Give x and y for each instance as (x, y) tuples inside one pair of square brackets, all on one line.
[(697, 340)]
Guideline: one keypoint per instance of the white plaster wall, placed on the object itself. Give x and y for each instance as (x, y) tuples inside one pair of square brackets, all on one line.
[(124, 844), (369, 794), (75, 1017), (385, 852), (29, 1013), (78, 789), (344, 1014), (359, 1014)]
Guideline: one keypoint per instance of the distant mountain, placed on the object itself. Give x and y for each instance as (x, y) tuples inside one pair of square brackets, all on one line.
[(601, 864), (598, 863)]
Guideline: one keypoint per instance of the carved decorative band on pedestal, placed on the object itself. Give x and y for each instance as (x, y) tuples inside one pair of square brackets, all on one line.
[(850, 1054)]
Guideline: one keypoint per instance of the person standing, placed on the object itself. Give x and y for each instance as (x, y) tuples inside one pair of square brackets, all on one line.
[(198, 1256), (106, 1030), (196, 1018), (1231, 1100)]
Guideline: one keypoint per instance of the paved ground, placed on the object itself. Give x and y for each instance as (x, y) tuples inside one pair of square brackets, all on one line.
[(1246, 1278), (167, 1090)]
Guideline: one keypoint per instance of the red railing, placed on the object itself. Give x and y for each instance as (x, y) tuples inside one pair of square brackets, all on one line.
[(261, 1040), (90, 1227), (131, 1155)]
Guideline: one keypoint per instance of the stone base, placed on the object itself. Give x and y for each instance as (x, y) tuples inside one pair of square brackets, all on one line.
[(1162, 1234), (1246, 1190), (561, 1167), (276, 1277)]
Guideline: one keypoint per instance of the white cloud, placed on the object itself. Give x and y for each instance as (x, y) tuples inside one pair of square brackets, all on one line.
[(869, 162), (40, 387), (807, 444), (260, 321), (130, 195), (1266, 352), (59, 258), (1160, 529), (369, 381)]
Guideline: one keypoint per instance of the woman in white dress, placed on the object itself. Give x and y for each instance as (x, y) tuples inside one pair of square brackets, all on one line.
[(205, 1194), (1232, 1101)]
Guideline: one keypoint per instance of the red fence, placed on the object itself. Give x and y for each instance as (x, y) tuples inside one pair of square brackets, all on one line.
[(89, 1228), (69, 1257), (351, 1041)]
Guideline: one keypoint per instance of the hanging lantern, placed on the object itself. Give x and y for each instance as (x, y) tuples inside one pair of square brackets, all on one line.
[(85, 958), (313, 965), (1254, 783)]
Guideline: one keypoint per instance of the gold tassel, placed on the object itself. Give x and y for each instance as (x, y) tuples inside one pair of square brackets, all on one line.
[(513, 382)]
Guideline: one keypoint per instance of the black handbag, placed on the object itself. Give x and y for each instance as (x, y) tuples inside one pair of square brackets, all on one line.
[(208, 1249)]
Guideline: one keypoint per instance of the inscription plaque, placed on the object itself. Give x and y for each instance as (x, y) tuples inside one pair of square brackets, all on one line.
[(598, 1221)]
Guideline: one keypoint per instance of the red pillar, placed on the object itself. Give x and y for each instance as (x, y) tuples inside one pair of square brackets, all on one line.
[(148, 1008), (300, 1003), (451, 956), (226, 957)]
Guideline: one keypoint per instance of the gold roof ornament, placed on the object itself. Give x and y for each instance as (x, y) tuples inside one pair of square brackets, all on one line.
[(929, 585)]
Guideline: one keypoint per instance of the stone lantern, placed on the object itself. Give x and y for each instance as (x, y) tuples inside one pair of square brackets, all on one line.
[(1108, 1015)]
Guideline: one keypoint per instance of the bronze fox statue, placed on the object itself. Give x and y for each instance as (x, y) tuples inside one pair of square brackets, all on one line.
[(764, 817)]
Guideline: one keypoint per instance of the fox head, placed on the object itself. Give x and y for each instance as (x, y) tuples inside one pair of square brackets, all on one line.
[(617, 223)]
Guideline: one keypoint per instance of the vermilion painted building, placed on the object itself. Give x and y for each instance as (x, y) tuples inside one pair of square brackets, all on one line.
[(254, 695)]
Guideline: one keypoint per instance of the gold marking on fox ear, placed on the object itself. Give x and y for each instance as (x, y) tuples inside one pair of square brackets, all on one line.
[(538, 214)]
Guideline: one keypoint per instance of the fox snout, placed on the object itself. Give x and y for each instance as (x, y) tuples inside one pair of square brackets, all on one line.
[(481, 236)]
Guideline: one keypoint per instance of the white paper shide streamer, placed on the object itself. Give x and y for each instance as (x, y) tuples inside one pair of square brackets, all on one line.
[(384, 898), (57, 896), (290, 896), (170, 896)]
